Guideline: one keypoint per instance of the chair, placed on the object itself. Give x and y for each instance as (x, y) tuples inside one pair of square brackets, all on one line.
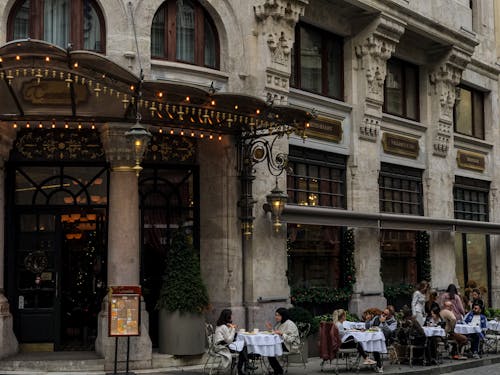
[(304, 329), (491, 342), (414, 346), (215, 359)]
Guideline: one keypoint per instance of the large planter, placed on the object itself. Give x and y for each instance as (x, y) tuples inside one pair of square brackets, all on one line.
[(181, 334)]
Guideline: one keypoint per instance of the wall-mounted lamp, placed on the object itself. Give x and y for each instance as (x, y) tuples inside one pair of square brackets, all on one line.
[(139, 137), (276, 201)]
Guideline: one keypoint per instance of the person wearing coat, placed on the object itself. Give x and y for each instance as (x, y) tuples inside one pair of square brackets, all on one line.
[(418, 302), (225, 334), (288, 331)]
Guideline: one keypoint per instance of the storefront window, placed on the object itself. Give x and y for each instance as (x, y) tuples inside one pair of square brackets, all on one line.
[(314, 256), (399, 257)]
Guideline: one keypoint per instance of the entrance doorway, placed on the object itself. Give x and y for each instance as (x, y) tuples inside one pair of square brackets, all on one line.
[(56, 274)]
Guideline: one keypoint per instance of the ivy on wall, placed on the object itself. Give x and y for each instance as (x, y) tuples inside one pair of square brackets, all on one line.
[(424, 255)]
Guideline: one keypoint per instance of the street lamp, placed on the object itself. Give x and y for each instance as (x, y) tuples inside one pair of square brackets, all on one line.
[(139, 137), (276, 201)]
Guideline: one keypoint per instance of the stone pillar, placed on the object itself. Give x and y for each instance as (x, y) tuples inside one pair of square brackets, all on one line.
[(439, 177), (8, 341), (372, 47), (123, 247)]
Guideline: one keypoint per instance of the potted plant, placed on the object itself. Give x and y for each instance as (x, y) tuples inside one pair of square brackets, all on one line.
[(183, 299)]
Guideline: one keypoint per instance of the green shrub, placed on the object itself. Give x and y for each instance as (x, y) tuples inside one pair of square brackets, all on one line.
[(300, 315)]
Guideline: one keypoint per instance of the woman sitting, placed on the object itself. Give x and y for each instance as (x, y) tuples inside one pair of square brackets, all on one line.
[(339, 317), (288, 332), (225, 334)]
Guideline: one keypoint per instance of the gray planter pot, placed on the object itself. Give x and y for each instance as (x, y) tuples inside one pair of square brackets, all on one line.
[(181, 334)]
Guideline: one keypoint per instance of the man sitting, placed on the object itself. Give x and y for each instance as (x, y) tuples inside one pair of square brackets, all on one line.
[(475, 318), (449, 317), (387, 324)]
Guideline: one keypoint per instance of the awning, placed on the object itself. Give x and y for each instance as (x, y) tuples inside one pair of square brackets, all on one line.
[(44, 83), (336, 217)]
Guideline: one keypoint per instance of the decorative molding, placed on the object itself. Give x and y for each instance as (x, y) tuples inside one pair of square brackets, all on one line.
[(369, 129), (280, 48), (286, 10), (374, 52)]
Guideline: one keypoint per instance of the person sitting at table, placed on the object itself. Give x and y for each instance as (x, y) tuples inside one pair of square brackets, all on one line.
[(410, 332), (225, 334), (387, 324), (339, 316), (288, 331), (476, 298), (448, 316), (369, 314), (433, 320), (475, 318), (431, 303)]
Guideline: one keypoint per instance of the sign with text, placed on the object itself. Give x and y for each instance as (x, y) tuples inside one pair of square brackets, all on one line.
[(470, 160), (325, 128), (399, 145), (124, 311)]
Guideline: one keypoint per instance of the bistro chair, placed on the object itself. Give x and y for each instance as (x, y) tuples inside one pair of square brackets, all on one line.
[(213, 364), (304, 329)]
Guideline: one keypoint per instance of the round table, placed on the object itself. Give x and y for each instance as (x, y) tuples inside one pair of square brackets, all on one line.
[(434, 331), (466, 329), (265, 344), (371, 341), (354, 325)]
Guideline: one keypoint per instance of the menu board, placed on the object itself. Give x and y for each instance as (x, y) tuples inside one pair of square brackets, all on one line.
[(124, 314)]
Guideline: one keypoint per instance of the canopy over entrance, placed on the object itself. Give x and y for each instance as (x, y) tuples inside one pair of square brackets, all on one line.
[(42, 82)]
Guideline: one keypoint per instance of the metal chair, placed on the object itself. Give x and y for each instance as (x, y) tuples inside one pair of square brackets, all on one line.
[(304, 329), (215, 359)]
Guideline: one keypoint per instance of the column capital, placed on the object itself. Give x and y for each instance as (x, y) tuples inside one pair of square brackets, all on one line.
[(119, 152)]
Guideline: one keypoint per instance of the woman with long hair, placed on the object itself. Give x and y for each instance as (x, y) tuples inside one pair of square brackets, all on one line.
[(225, 334), (452, 295), (418, 302)]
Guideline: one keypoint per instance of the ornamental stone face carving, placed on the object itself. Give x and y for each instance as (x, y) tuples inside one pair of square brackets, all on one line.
[(279, 47), (369, 129), (289, 11)]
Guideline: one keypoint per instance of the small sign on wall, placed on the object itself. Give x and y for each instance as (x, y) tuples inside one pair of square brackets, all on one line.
[(325, 128), (470, 160), (399, 145)]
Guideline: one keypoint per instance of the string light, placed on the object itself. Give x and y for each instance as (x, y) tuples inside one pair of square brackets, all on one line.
[(14, 125)]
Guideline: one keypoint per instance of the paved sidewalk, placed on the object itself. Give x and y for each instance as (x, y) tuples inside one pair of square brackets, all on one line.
[(314, 367)]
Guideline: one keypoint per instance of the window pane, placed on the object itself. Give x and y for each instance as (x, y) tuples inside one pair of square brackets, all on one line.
[(158, 33), (334, 61), (21, 21), (210, 48), (399, 257), (185, 31), (310, 58), (477, 263), (91, 28), (411, 78), (56, 22), (463, 112), (478, 114), (394, 89)]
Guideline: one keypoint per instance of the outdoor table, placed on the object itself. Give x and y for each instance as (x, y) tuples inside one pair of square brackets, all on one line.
[(265, 344), (494, 325), (466, 329), (370, 340), (354, 325), (434, 332)]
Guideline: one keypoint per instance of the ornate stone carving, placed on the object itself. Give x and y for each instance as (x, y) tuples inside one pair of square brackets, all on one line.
[(374, 51), (369, 129), (287, 10), (443, 81), (279, 47)]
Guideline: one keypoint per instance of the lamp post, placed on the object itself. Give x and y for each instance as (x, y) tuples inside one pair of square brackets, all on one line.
[(276, 201), (139, 137)]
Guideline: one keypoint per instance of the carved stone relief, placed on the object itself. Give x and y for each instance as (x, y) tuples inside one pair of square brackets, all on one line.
[(369, 129)]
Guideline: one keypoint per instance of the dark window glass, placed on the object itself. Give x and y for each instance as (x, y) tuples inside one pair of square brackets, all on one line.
[(399, 257), (61, 22), (183, 31), (401, 89), (317, 62), (471, 199), (316, 178), (400, 190), (469, 112)]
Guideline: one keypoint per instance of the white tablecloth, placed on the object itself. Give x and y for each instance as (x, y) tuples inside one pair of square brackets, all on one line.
[(370, 341), (466, 329), (494, 325), (353, 325), (265, 344), (434, 331)]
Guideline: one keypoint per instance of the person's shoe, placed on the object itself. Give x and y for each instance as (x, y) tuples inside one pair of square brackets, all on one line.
[(369, 361), (475, 356), (379, 370)]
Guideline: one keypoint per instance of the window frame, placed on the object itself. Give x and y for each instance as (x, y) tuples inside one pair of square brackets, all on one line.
[(402, 173), (295, 79), (170, 35), (404, 65), (320, 159), (36, 22), (474, 113), (469, 185)]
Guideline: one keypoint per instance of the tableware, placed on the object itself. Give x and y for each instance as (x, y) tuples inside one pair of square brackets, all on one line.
[(255, 330)]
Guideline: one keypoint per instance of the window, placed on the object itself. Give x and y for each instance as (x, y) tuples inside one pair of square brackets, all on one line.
[(61, 22), (399, 257), (471, 199), (317, 62), (314, 255), (400, 190), (316, 178), (183, 31), (401, 89), (469, 112)]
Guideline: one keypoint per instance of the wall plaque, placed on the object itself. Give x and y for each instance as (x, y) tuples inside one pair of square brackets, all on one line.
[(470, 160), (124, 311), (325, 128), (399, 145)]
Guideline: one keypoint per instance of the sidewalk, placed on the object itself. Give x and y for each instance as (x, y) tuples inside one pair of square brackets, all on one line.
[(314, 367)]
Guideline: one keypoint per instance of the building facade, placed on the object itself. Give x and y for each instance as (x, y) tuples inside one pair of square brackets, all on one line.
[(387, 110)]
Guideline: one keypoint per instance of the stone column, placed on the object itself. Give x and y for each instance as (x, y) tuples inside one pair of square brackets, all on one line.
[(123, 246), (439, 177), (8, 341), (371, 48)]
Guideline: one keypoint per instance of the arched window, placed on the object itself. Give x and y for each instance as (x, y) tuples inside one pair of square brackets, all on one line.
[(183, 31), (79, 22)]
